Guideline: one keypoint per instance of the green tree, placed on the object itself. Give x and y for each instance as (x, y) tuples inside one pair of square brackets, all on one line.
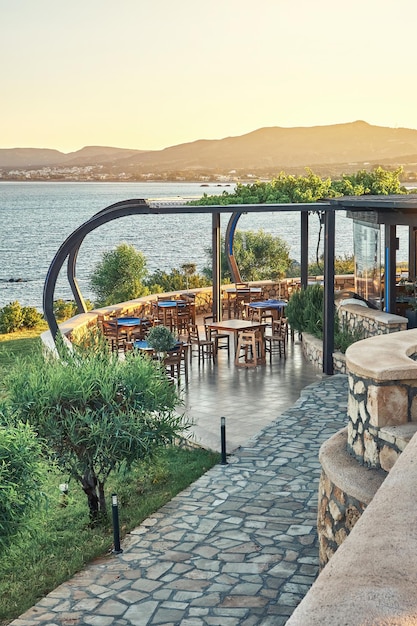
[(259, 256), (376, 182), (175, 280), (309, 188), (119, 276), (96, 412)]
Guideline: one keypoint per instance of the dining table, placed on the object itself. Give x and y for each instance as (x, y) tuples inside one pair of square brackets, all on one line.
[(166, 307), (129, 325), (275, 306), (235, 326)]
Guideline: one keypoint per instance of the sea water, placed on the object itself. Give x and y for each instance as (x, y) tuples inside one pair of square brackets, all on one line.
[(37, 217)]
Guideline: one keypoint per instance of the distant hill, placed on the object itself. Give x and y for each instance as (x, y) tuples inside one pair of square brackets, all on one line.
[(266, 149), (40, 157)]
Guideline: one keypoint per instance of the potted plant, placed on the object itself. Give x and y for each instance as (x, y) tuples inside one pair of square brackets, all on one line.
[(161, 339)]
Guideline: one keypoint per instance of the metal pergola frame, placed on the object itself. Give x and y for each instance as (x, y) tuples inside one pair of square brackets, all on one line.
[(327, 209)]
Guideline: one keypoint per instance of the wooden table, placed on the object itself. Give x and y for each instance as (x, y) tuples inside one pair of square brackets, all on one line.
[(275, 306), (236, 325)]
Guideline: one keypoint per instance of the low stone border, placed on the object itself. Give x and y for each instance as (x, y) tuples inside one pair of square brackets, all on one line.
[(345, 491), (372, 577)]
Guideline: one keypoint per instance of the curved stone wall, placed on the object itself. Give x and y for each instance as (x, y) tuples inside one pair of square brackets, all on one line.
[(382, 397), (345, 490)]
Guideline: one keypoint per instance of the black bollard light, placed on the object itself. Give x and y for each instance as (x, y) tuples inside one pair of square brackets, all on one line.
[(223, 439), (116, 530)]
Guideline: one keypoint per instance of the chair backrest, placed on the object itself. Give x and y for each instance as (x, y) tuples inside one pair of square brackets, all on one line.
[(193, 334), (207, 319), (110, 328), (278, 328), (174, 356)]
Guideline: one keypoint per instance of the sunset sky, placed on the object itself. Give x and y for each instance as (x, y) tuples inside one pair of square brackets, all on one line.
[(148, 74)]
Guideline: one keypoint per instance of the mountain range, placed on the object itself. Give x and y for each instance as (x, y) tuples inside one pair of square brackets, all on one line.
[(266, 151)]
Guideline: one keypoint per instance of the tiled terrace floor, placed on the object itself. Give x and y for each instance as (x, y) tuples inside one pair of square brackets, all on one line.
[(249, 398)]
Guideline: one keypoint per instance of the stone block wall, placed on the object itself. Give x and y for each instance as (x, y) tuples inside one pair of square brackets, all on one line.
[(372, 407), (337, 514), (345, 490), (313, 352), (370, 321)]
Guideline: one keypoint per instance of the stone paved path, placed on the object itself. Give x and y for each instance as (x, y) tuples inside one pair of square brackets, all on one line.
[(238, 547)]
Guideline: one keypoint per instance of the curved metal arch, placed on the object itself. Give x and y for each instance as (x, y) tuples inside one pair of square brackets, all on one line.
[(72, 261), (70, 249), (228, 244)]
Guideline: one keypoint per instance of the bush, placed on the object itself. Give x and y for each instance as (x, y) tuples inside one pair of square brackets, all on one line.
[(20, 478), (305, 310), (160, 338), (31, 317), (344, 336), (11, 317), (305, 314), (94, 411), (64, 309)]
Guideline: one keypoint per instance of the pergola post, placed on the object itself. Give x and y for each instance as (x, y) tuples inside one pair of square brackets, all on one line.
[(304, 249), (390, 267), (328, 321), (412, 268), (216, 268)]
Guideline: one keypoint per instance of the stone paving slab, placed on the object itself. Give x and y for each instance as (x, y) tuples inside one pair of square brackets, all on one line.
[(237, 548)]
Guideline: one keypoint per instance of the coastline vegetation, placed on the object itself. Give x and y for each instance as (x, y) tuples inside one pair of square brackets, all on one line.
[(287, 188)]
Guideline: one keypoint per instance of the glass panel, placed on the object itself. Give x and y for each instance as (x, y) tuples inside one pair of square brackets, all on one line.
[(367, 251)]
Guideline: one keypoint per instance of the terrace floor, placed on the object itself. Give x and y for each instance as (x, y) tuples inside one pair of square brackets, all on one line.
[(249, 398)]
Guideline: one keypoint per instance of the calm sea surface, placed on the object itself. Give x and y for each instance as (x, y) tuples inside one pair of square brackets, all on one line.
[(37, 217)]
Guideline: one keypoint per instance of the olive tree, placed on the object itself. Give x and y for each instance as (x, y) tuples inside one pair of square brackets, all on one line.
[(119, 275), (259, 256), (95, 411)]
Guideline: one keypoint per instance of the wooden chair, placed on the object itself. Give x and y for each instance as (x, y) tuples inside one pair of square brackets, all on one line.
[(181, 318), (251, 346), (221, 340), (205, 347), (174, 361), (276, 342), (115, 337)]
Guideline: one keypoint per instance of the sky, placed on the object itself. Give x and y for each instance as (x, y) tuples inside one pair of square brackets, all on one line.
[(149, 74)]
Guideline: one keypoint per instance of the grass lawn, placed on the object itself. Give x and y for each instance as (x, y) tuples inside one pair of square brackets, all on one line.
[(58, 540)]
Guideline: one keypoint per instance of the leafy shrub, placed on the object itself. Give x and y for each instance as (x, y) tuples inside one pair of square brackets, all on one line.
[(64, 309), (31, 317), (305, 310), (313, 313), (20, 478), (344, 336), (305, 314), (11, 317), (160, 338)]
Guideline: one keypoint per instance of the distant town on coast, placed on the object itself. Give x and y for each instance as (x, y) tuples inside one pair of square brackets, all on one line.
[(329, 150)]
